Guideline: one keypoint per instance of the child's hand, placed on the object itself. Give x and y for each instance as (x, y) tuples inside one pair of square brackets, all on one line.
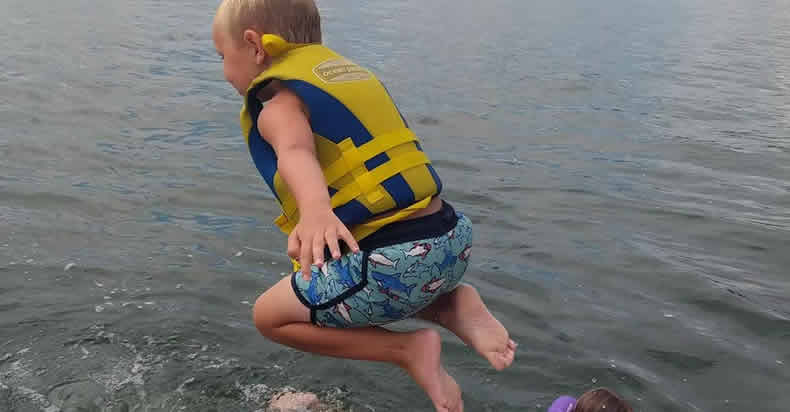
[(306, 242)]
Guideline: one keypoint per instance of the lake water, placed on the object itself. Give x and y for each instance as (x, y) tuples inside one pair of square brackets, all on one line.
[(626, 163)]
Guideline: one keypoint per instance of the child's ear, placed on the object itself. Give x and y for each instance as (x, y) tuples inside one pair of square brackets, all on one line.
[(253, 40)]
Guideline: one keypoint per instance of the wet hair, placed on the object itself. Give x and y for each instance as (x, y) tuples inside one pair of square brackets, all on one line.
[(296, 21), (601, 400)]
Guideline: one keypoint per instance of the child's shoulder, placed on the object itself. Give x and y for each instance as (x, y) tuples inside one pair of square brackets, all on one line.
[(281, 108), (275, 97)]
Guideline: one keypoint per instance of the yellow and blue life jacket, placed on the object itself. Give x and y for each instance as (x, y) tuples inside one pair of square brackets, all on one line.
[(371, 160)]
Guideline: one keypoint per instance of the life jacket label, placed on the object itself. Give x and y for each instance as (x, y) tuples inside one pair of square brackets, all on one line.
[(340, 70)]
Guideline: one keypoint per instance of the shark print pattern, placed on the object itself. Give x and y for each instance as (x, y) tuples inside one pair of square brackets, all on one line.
[(388, 284)]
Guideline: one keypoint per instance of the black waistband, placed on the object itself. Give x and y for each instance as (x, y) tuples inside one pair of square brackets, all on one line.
[(424, 227)]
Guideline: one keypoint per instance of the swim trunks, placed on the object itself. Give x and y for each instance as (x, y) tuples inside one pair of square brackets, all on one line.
[(400, 269)]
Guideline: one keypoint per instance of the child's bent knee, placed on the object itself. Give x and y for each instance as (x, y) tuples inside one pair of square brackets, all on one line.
[(465, 288), (263, 316), (277, 307)]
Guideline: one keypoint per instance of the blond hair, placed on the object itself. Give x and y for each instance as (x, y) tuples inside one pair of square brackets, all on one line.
[(296, 21)]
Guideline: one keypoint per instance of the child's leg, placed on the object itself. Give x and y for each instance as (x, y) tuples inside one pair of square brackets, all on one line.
[(463, 312), (281, 317)]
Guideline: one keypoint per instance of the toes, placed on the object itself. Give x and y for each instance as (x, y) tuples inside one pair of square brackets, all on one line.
[(460, 407), (505, 358), (451, 406)]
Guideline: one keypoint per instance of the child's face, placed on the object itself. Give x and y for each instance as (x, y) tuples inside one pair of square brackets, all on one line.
[(241, 61)]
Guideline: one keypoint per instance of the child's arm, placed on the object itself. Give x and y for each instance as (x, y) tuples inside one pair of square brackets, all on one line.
[(284, 125)]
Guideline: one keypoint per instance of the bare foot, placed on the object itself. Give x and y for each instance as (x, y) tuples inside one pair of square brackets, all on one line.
[(463, 312), (426, 368)]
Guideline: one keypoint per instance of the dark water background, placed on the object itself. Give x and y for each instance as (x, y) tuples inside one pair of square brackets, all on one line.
[(626, 163)]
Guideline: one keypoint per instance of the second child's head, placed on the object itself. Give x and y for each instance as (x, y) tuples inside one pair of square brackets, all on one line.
[(239, 25), (601, 400), (596, 400)]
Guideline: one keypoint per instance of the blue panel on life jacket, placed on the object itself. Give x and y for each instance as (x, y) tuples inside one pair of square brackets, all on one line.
[(352, 213), (264, 157), (328, 117), (399, 190)]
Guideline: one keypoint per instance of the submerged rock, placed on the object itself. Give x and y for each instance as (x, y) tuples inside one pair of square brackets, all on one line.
[(295, 402)]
